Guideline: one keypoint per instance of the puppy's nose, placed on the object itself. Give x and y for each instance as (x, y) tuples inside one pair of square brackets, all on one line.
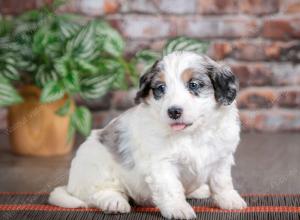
[(175, 112)]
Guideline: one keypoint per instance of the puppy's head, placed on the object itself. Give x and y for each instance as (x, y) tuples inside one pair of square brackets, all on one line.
[(185, 87)]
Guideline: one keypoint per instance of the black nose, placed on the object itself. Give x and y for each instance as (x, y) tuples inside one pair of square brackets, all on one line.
[(175, 112)]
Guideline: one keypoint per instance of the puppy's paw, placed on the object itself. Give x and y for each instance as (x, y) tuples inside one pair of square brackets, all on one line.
[(202, 192), (181, 210), (117, 205), (111, 202), (230, 200)]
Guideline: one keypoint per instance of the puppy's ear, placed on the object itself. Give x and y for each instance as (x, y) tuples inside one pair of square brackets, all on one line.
[(145, 83), (225, 84)]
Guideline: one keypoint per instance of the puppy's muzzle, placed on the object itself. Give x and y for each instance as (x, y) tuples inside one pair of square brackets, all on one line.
[(175, 112)]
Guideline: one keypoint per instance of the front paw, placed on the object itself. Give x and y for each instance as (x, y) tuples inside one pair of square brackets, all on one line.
[(230, 200), (202, 192), (181, 210)]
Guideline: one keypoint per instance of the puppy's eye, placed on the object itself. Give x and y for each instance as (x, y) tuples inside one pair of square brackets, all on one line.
[(159, 90), (194, 85)]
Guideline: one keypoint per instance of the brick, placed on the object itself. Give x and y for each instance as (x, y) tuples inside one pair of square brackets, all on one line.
[(289, 98), (285, 74), (177, 6), (221, 28), (270, 120), (254, 98), (178, 25), (145, 27), (283, 51), (16, 6), (40, 3), (245, 50), (273, 50), (133, 46), (72, 6), (290, 6), (282, 27), (220, 50), (99, 7), (157, 45), (140, 6), (257, 50), (259, 7), (111, 7), (290, 51), (218, 6), (254, 74), (261, 50), (123, 100)]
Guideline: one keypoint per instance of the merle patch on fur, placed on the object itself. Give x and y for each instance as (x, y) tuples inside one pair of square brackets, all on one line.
[(146, 82), (110, 137), (225, 84), (196, 82), (158, 90)]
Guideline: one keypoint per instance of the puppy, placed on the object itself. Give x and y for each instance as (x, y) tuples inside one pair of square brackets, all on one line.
[(177, 143)]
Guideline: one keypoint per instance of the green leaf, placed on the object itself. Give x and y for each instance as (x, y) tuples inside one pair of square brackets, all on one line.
[(56, 4), (120, 78), (62, 66), (45, 76), (32, 15), (134, 76), (39, 41), (71, 82), (52, 92), (109, 39), (185, 44), (10, 72), (46, 44), (82, 119), (68, 28), (86, 66), (95, 86), (8, 95), (60, 54), (5, 26), (65, 109), (82, 45), (147, 56), (61, 69)]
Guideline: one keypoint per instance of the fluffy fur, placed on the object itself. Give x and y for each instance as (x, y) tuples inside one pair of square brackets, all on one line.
[(154, 159)]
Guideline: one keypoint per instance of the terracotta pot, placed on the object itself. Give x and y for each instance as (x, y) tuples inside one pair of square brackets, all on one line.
[(35, 129)]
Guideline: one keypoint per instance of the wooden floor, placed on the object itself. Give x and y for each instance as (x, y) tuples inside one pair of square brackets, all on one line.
[(265, 163)]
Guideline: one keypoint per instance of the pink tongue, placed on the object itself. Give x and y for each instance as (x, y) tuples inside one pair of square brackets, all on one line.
[(178, 127)]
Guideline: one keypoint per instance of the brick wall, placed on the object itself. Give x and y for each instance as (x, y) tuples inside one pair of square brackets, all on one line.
[(259, 39)]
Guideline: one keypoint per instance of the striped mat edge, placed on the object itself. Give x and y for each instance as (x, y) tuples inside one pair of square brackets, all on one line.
[(151, 209), (46, 207), (44, 211)]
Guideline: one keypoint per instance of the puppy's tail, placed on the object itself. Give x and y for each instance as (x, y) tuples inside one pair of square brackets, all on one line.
[(60, 197)]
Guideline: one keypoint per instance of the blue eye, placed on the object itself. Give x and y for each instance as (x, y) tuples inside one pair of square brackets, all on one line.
[(194, 85), (159, 90)]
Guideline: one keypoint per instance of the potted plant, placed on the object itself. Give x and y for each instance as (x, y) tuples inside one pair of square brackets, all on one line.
[(47, 59)]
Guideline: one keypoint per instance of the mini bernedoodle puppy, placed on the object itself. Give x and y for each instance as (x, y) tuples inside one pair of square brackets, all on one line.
[(177, 143)]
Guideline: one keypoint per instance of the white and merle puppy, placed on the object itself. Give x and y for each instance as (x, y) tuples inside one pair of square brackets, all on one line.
[(177, 143)]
